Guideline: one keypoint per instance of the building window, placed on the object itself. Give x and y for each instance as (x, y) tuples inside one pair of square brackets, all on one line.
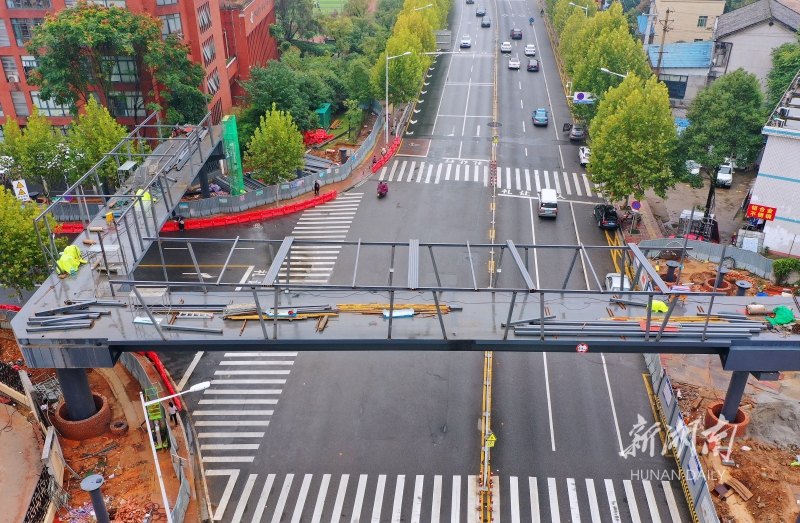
[(676, 85), (108, 3), (209, 51), (702, 21), (124, 69), (166, 2), (204, 17), (29, 63), (171, 25), (213, 83), (23, 28), (20, 104), (28, 4), (10, 68), (2, 113), (4, 40), (49, 107), (129, 103)]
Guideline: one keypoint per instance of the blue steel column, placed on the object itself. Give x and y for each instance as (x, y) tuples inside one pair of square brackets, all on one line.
[(734, 395), (77, 393)]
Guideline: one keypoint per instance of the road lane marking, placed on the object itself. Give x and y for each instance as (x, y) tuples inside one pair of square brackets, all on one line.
[(421, 168), (613, 408), (635, 518), (236, 412), (323, 490), (242, 391), (231, 446), (357, 506), (586, 183), (651, 501), (549, 403), (508, 177), (398, 499), (391, 173), (546, 180), (447, 174), (458, 171), (400, 174), (430, 171), (339, 503), (612, 501), (514, 493), (378, 505), (523, 130), (228, 459), (478, 132), (466, 109), (466, 173), (239, 402), (287, 485), (253, 362), (438, 172), (416, 508), (410, 172), (673, 507), (566, 184), (455, 501), (533, 237), (190, 369), (436, 504), (245, 497), (558, 185), (486, 176), (519, 182), (538, 182), (534, 488), (577, 184), (229, 423), (473, 499), (555, 516), (594, 508), (572, 492), (383, 174), (233, 475), (230, 434)]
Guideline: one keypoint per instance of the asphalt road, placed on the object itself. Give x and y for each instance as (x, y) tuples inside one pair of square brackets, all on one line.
[(391, 437)]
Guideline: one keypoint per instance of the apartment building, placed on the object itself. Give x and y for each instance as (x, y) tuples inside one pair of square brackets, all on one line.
[(689, 20)]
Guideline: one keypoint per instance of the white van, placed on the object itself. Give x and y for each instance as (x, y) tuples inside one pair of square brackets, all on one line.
[(548, 203)]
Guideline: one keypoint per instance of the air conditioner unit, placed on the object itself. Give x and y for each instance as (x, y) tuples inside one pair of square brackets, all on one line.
[(12, 78)]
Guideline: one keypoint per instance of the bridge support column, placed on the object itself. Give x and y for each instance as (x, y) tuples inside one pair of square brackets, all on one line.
[(204, 190), (734, 395), (77, 393)]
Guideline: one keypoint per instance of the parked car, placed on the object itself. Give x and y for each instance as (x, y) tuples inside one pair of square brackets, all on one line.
[(530, 50), (692, 167), (513, 63), (466, 41), (540, 117), (533, 64), (725, 176), (470, 1), (577, 133), (516, 34), (606, 216), (505, 47), (616, 282), (486, 22), (584, 153), (480, 11)]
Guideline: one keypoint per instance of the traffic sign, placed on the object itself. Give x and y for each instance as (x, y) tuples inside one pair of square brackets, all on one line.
[(21, 190), (636, 205), (582, 347), (490, 441), (757, 211)]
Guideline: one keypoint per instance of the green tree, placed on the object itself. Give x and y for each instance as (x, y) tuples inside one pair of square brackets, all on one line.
[(358, 80), (633, 140), (295, 18), (785, 65), (93, 135), (570, 36), (608, 20), (725, 121), (276, 148), (22, 264), (415, 23), (405, 74), (353, 118), (563, 11)]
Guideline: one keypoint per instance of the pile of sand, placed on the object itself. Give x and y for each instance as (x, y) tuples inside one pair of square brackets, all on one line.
[(777, 422)]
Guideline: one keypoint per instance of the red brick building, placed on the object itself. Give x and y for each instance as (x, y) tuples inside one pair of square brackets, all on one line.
[(225, 42)]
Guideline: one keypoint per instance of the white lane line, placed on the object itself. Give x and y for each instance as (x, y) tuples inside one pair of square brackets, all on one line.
[(533, 237), (301, 499), (594, 508), (362, 487), (466, 173), (612, 501), (245, 497), (383, 174), (583, 264), (523, 130), (514, 494), (555, 515), (239, 402), (478, 131), (420, 172), (242, 391), (411, 171), (284, 495), (253, 362), (321, 227), (518, 179), (458, 171), (651, 501), (430, 171), (566, 184), (378, 505), (391, 173), (528, 181), (572, 492), (472, 499), (508, 177), (536, 516), (190, 369), (233, 475), (631, 501), (436, 504), (232, 446), (254, 372), (228, 459), (546, 180), (339, 503), (455, 502), (438, 173), (549, 403), (586, 183), (499, 177), (520, 105), (398, 499), (538, 182), (557, 184), (466, 108), (323, 490), (237, 412), (613, 408), (673, 507), (577, 184), (262, 500), (249, 382), (416, 507), (447, 173), (486, 176), (201, 435), (231, 423), (400, 174)]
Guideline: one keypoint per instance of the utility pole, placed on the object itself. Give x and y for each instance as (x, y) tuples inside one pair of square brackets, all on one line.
[(665, 28)]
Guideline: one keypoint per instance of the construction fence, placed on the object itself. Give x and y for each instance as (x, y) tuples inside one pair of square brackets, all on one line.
[(680, 440), (735, 258)]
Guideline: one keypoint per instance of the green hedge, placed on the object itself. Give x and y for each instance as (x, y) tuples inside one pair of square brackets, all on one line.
[(783, 266)]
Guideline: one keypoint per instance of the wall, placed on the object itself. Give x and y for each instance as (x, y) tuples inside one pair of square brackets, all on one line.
[(777, 185), (752, 49), (685, 14), (696, 80)]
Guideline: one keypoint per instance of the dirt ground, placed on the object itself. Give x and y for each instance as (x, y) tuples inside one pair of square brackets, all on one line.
[(342, 141), (695, 273)]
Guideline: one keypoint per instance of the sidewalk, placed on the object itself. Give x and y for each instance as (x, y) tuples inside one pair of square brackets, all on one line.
[(20, 462), (648, 226)]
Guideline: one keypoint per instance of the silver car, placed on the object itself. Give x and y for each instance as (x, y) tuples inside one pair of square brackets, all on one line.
[(513, 63), (505, 47)]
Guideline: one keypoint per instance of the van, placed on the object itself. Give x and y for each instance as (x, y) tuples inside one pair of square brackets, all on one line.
[(548, 203)]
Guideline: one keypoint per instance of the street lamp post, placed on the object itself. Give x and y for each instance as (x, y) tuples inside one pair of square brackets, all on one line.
[(195, 388), (423, 7), (615, 74), (585, 8), (386, 131)]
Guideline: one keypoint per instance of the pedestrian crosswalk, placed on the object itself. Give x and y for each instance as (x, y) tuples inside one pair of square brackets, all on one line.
[(530, 181), (327, 222), (314, 498)]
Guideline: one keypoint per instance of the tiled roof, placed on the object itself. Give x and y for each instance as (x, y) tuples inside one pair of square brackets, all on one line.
[(642, 21), (682, 55), (786, 12)]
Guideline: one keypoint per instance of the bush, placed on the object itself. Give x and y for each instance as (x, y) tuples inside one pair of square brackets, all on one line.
[(783, 266)]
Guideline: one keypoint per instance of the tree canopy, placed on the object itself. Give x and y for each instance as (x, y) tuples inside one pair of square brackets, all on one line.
[(276, 148), (94, 133), (785, 65), (633, 140)]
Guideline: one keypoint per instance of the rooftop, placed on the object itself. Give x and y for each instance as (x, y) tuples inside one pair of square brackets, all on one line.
[(682, 55), (786, 12)]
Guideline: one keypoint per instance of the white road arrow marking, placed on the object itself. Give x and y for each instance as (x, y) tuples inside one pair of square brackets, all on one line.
[(413, 121)]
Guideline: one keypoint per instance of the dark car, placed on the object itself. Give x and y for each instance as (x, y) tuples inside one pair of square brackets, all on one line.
[(540, 117), (516, 34), (606, 216), (486, 22), (470, 1), (480, 11), (577, 133), (533, 64)]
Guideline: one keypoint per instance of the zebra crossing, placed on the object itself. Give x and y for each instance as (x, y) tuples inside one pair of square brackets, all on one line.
[(508, 178), (327, 222), (231, 417), (379, 498)]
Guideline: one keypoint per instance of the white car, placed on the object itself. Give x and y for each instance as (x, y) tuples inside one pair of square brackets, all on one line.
[(584, 153), (530, 50), (505, 47), (613, 282), (725, 175), (466, 41), (693, 167), (513, 63)]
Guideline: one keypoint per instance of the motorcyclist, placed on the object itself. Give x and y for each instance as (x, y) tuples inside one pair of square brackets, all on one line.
[(530, 20), (383, 188)]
